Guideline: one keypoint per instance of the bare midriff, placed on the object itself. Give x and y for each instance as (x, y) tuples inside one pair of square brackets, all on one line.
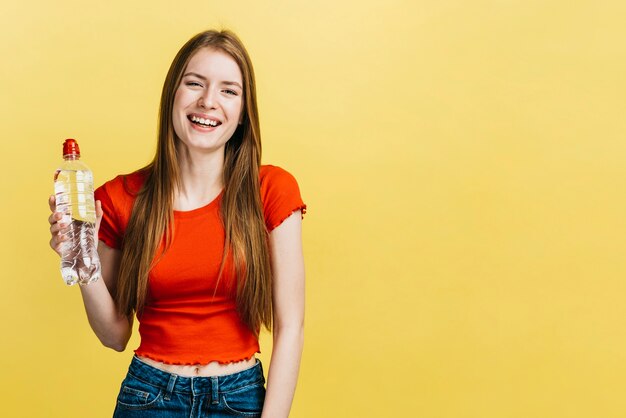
[(213, 368)]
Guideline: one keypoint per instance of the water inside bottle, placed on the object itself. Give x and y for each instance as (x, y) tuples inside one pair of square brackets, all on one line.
[(74, 195), (74, 198)]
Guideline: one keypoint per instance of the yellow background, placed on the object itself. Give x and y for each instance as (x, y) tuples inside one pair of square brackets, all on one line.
[(464, 167)]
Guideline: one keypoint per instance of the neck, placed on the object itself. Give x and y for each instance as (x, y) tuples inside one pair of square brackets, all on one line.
[(201, 178)]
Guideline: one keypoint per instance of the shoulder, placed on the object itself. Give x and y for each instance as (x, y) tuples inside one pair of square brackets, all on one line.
[(118, 194), (280, 194), (117, 197), (274, 177), (123, 186), (276, 183)]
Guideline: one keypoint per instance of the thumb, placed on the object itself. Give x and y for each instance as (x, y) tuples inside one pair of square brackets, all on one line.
[(99, 214)]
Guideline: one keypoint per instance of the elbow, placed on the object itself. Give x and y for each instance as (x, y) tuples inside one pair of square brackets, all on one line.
[(116, 338), (119, 347), (114, 344)]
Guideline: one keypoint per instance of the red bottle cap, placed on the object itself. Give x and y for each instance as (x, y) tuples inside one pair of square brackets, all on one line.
[(70, 147)]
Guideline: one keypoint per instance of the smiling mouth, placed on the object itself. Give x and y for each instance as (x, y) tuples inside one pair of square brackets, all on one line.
[(206, 123)]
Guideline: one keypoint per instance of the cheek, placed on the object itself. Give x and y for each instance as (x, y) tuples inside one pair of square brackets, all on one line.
[(235, 110), (182, 99), (179, 100)]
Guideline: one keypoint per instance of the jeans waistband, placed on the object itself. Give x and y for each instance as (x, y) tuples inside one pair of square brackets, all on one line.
[(197, 384)]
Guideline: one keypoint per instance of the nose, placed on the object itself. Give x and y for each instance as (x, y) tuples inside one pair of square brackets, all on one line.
[(207, 99)]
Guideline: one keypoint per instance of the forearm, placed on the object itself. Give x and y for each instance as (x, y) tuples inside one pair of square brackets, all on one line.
[(283, 372), (112, 329)]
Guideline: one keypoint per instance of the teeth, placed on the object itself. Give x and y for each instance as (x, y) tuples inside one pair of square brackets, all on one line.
[(203, 121)]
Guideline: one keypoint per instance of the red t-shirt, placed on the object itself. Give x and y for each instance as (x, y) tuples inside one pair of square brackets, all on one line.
[(183, 322)]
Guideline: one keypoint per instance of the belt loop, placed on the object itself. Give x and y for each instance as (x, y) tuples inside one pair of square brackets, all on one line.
[(214, 390), (170, 387)]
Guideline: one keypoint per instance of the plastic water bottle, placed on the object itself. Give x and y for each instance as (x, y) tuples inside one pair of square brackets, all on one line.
[(73, 187)]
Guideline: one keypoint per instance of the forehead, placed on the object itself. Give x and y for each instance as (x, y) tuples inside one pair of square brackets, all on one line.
[(214, 64)]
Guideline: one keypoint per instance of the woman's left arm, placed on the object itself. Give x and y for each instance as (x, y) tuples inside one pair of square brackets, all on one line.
[(288, 298)]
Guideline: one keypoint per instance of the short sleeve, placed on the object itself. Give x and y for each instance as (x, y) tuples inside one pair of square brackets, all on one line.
[(110, 231), (280, 194)]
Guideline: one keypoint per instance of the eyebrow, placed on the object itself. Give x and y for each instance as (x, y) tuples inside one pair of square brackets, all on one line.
[(201, 77)]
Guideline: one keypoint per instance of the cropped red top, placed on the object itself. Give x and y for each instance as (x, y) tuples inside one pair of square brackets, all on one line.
[(183, 322)]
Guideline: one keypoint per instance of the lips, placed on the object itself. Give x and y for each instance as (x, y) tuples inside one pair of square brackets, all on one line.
[(203, 121)]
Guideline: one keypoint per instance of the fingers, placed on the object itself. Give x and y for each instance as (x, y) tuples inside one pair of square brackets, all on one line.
[(56, 243), (57, 226), (99, 211), (55, 217), (58, 230)]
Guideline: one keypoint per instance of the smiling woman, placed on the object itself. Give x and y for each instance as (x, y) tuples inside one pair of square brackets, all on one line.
[(204, 247), (209, 97)]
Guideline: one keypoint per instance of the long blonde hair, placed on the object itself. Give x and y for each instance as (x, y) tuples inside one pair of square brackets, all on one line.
[(246, 236)]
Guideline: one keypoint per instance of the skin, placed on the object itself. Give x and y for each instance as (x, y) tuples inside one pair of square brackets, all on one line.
[(209, 88)]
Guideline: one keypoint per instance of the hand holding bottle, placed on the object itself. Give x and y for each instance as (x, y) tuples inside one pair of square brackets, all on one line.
[(75, 222), (59, 230)]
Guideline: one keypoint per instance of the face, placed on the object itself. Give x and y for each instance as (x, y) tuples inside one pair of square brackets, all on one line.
[(209, 100)]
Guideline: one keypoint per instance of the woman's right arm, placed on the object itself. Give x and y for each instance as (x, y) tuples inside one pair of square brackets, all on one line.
[(112, 329)]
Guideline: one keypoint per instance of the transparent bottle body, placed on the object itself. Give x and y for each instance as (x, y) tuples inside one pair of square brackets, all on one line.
[(73, 186)]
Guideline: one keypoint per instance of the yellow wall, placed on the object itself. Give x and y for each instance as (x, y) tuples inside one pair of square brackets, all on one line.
[(464, 167)]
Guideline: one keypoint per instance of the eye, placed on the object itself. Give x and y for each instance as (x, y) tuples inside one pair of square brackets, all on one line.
[(193, 84), (233, 92)]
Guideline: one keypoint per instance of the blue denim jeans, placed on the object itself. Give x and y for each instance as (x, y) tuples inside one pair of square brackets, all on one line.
[(148, 392)]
